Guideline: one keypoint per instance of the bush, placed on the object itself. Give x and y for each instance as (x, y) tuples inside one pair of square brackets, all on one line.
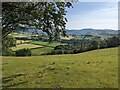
[(7, 52), (23, 52), (7, 43)]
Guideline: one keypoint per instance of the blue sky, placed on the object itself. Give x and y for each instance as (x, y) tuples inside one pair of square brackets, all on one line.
[(97, 15)]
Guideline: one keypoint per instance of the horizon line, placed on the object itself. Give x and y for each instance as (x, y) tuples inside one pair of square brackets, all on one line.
[(92, 28)]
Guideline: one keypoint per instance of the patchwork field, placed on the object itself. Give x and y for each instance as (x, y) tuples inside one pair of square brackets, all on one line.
[(21, 46), (37, 47), (93, 69), (22, 41), (46, 43)]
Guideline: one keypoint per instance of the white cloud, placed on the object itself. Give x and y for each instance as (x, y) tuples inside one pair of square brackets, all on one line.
[(107, 12), (106, 18)]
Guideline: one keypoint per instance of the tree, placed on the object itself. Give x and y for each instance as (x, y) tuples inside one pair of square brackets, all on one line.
[(23, 52), (103, 44), (46, 16), (9, 42), (114, 41), (95, 44)]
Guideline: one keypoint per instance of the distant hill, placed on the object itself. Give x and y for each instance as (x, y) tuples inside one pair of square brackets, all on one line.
[(86, 31), (92, 32)]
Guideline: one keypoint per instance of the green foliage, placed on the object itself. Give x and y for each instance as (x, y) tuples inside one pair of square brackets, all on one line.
[(47, 16), (23, 52), (95, 44), (8, 42), (103, 44), (78, 48), (113, 42), (7, 52)]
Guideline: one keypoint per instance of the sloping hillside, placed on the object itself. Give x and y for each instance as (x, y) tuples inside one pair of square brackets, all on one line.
[(93, 69)]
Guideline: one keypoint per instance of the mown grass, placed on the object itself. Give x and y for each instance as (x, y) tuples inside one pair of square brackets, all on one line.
[(46, 43), (39, 51), (22, 41), (37, 47), (93, 69), (21, 46), (67, 38), (21, 35), (45, 49)]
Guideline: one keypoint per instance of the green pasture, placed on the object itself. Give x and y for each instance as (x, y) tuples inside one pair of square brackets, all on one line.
[(93, 69), (37, 47)]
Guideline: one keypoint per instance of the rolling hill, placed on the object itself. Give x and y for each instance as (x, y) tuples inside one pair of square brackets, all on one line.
[(85, 31), (92, 32), (93, 69)]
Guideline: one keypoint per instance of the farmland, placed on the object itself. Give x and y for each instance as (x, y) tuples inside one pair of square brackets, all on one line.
[(21, 46), (59, 45), (37, 47), (93, 69)]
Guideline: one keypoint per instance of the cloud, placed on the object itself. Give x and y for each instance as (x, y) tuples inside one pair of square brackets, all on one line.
[(105, 18), (107, 12)]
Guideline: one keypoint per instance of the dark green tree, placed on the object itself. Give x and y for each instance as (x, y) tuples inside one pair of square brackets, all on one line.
[(8, 42), (95, 44), (114, 41), (46, 16), (103, 44)]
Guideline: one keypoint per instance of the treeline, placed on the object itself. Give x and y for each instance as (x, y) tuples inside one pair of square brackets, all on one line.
[(78, 48), (60, 49)]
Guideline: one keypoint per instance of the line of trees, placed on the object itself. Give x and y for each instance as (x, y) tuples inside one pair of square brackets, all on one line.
[(78, 48)]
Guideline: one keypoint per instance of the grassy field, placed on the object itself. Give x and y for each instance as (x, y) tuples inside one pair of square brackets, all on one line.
[(39, 51), (93, 69), (20, 35), (37, 47), (46, 47), (46, 43), (21, 46), (22, 41), (67, 38)]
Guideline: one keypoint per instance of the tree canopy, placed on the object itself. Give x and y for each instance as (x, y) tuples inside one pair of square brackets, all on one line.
[(46, 16)]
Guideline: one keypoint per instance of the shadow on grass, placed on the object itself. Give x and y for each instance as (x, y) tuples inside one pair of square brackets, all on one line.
[(9, 79), (14, 84), (36, 48)]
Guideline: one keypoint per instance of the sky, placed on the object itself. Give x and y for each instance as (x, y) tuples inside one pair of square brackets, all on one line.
[(96, 15)]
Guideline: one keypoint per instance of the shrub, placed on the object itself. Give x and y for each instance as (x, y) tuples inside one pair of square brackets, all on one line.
[(7, 43), (23, 52), (7, 52)]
